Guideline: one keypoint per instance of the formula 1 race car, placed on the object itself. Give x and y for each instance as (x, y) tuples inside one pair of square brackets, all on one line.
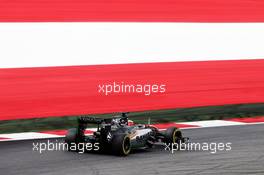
[(116, 135)]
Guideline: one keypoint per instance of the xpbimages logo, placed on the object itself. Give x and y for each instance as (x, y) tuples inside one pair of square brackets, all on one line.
[(212, 147), (145, 89), (56, 145)]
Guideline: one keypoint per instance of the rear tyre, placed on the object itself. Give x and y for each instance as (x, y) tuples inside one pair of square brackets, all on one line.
[(121, 145), (71, 138)]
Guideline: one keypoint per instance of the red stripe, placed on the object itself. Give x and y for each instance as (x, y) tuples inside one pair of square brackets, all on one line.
[(56, 132), (59, 91), (136, 10), (64, 132), (178, 125), (248, 120), (3, 138), (88, 132)]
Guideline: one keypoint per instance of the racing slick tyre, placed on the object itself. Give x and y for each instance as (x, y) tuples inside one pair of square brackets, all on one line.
[(71, 137), (121, 144), (173, 135)]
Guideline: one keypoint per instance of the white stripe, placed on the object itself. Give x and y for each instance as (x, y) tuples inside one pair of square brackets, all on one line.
[(62, 44), (214, 123), (32, 135), (28, 136)]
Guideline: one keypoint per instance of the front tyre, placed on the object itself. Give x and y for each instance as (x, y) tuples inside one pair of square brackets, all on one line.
[(121, 144), (173, 135)]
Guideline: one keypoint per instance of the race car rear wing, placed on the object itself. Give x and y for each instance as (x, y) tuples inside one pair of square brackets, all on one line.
[(94, 120), (91, 120), (84, 120)]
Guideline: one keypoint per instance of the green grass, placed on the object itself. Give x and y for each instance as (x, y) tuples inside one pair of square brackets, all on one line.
[(159, 116)]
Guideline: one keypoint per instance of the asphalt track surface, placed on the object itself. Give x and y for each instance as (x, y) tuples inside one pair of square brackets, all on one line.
[(246, 157)]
